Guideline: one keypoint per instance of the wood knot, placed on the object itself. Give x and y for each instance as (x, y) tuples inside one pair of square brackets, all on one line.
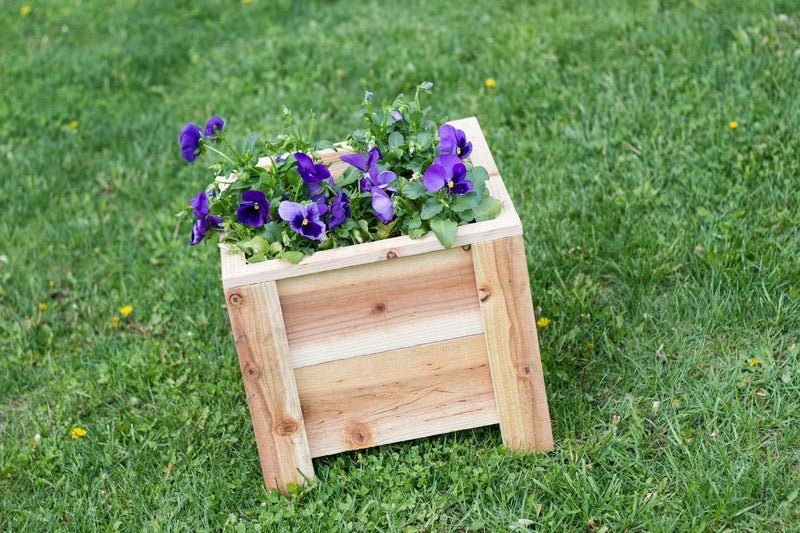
[(484, 295), (358, 435), (380, 308), (466, 247), (251, 371), (287, 427), (235, 300), (391, 254)]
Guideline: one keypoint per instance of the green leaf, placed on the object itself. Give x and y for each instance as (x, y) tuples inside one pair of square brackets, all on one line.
[(488, 209), (431, 208), (291, 256), (465, 202), (478, 176), (271, 232), (445, 231), (259, 245), (414, 190), (351, 175), (396, 139), (323, 145), (424, 139)]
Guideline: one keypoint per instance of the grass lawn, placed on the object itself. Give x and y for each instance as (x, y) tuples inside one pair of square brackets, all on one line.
[(662, 241)]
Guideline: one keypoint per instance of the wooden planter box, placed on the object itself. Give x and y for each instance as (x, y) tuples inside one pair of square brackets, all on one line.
[(390, 340)]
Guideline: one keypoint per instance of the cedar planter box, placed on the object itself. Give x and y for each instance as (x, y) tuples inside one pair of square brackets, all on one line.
[(390, 340)]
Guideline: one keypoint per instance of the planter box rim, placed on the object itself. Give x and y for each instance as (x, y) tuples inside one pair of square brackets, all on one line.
[(237, 272)]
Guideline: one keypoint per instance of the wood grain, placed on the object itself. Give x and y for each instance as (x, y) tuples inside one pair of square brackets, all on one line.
[(379, 307), (501, 274), (396, 396), (269, 382)]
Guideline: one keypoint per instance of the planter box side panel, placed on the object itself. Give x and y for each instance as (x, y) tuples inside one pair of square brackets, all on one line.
[(395, 396)]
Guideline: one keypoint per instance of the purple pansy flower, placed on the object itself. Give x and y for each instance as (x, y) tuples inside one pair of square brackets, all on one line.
[(213, 127), (304, 219), (368, 95), (453, 141), (364, 163), (340, 210), (190, 141), (313, 175), (447, 171), (397, 115), (204, 220), (254, 209), (375, 182), (427, 85)]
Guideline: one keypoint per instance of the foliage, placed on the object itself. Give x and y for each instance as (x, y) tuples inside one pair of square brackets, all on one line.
[(271, 199)]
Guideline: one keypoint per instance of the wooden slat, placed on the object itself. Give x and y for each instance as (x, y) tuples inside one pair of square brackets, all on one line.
[(396, 396), (501, 274), (379, 307), (236, 272), (269, 382)]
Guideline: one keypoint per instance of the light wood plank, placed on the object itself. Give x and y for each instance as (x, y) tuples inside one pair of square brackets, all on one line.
[(379, 307), (269, 382), (501, 274), (397, 396)]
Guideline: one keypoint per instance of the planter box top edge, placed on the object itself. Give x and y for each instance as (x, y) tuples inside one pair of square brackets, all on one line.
[(236, 272)]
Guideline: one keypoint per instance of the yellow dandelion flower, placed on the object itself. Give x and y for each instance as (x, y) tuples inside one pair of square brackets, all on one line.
[(734, 125), (754, 362), (543, 322), (675, 402), (491, 83), (52, 284), (42, 307), (126, 310), (116, 320), (73, 124), (78, 433), (746, 381), (25, 10), (245, 1)]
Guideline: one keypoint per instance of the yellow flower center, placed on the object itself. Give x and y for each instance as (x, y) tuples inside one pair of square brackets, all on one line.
[(451, 184), (305, 222), (458, 150), (255, 206)]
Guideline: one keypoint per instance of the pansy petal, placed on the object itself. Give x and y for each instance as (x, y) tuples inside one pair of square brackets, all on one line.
[(200, 204), (213, 127), (314, 229), (385, 178), (434, 178), (383, 205), (289, 210), (448, 162), (462, 188), (447, 139), (215, 222), (254, 196), (198, 231), (357, 160), (190, 141), (373, 155)]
